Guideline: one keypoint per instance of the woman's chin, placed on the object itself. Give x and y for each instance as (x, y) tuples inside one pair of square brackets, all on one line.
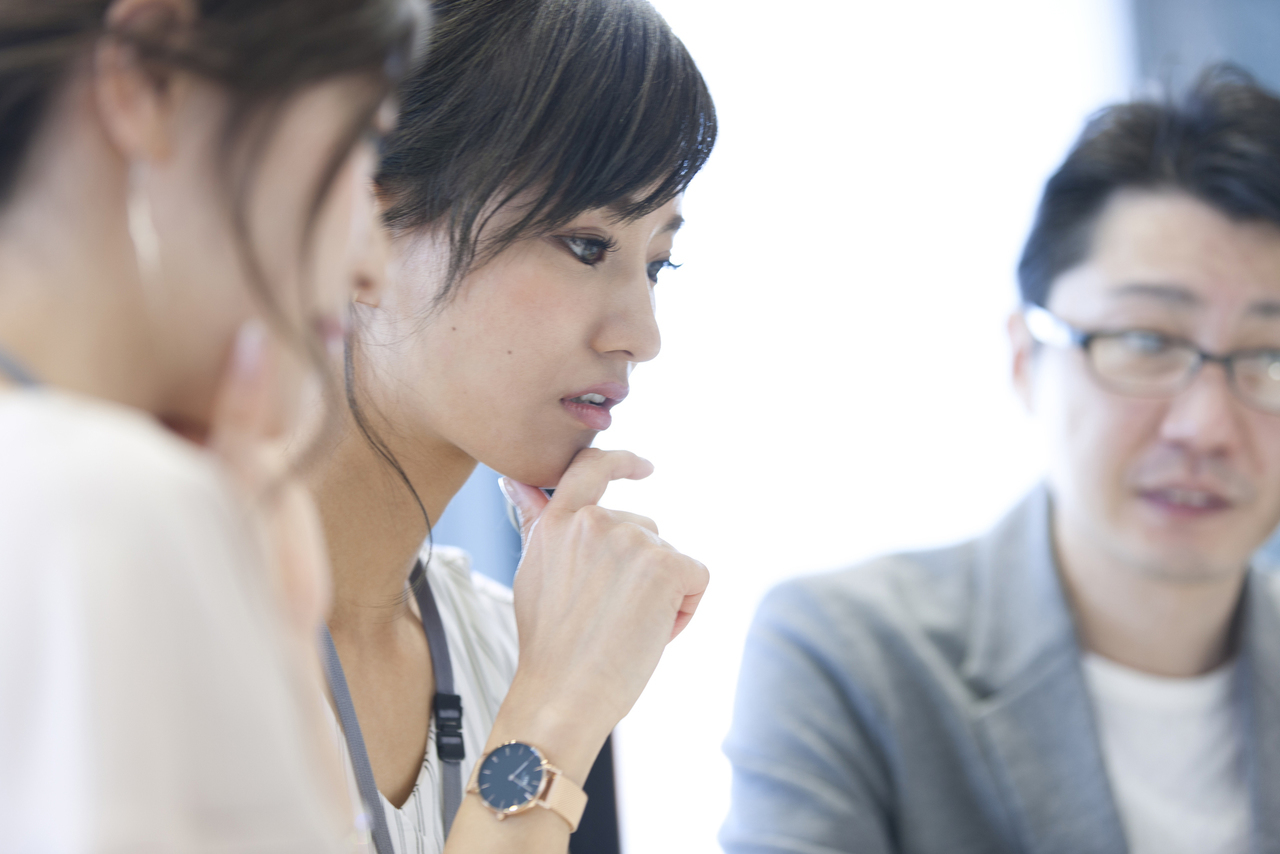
[(544, 472)]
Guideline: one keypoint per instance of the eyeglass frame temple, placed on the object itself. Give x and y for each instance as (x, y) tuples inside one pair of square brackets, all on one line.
[(1050, 326), (1047, 328), (1069, 336)]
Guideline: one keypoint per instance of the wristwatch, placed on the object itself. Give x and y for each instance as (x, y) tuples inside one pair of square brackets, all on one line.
[(515, 777)]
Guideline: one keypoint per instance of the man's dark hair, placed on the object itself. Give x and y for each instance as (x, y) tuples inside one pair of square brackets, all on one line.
[(1220, 144)]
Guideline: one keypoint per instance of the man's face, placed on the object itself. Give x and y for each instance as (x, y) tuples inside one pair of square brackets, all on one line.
[(1183, 487)]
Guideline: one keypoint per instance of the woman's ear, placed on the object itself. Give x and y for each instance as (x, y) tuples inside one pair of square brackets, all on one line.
[(371, 248), (137, 99)]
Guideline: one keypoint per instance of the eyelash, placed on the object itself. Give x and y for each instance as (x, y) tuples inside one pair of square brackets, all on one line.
[(658, 266), (602, 247)]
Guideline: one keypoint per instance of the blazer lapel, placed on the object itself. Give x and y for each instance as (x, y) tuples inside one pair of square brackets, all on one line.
[(1036, 720), (1260, 696)]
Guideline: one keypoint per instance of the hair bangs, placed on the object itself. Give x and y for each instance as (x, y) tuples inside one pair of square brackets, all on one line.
[(554, 106), (631, 123)]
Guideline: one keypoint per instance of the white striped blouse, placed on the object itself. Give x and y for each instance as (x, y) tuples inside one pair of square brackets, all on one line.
[(480, 623)]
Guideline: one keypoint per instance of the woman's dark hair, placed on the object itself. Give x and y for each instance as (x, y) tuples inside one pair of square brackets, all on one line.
[(1219, 144), (260, 51), (563, 105)]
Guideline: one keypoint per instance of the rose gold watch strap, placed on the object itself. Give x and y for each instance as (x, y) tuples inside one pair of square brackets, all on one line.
[(564, 797)]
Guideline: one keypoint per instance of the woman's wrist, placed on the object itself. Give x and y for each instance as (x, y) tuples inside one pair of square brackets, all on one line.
[(569, 735)]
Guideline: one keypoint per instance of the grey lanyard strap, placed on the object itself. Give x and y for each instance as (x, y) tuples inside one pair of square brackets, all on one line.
[(14, 370), (447, 709), (355, 745), (448, 705)]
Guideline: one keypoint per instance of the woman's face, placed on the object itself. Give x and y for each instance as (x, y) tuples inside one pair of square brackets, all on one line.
[(308, 274), (520, 366)]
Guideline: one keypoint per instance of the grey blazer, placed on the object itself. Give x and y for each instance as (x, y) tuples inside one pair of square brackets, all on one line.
[(934, 703)]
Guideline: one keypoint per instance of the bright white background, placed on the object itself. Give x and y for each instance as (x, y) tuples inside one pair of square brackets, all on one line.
[(833, 382)]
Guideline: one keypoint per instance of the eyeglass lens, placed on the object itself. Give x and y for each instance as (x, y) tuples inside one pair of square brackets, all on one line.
[(1148, 364)]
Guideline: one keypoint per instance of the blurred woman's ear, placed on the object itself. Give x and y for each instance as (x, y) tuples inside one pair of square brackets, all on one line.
[(370, 247), (136, 100)]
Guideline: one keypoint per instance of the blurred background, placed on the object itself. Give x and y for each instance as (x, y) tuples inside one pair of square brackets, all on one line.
[(834, 376)]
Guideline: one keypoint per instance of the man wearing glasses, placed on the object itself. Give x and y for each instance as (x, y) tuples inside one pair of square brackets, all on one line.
[(1100, 672)]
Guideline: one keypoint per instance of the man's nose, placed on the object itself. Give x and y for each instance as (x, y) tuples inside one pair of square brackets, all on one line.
[(1204, 416)]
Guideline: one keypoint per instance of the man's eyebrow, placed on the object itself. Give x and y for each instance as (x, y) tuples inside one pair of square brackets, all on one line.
[(1265, 308), (1179, 296), (1175, 295)]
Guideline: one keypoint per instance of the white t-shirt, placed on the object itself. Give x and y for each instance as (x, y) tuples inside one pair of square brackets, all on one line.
[(1174, 751), (480, 624), (147, 700)]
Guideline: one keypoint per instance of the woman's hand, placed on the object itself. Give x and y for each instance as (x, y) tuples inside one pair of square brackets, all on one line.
[(252, 425), (250, 434), (597, 598)]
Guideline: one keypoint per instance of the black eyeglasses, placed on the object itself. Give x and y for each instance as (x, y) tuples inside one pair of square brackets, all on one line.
[(1143, 363)]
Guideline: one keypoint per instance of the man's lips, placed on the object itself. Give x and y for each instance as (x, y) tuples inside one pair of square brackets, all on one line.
[(1186, 499), (591, 405)]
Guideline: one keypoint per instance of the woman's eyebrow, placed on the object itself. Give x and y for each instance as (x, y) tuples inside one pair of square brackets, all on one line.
[(672, 225)]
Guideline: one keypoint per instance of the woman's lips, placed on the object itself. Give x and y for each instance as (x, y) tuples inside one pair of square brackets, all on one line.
[(591, 405)]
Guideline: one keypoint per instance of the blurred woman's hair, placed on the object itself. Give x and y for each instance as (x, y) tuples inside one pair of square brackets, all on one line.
[(558, 106), (261, 52), (1220, 144)]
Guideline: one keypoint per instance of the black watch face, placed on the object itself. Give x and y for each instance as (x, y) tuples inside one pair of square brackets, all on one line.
[(510, 776)]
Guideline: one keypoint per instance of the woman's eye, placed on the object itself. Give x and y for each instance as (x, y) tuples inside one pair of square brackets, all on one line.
[(656, 267), (588, 250)]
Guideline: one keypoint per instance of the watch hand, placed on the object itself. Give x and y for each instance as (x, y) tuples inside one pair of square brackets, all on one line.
[(513, 774)]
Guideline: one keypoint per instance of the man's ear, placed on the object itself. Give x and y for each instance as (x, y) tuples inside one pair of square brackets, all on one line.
[(137, 99), (1023, 351)]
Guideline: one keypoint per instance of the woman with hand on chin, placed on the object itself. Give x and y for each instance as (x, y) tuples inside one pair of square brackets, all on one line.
[(171, 174), (533, 193)]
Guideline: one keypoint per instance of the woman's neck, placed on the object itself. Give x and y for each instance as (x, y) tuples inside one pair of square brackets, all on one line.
[(76, 338), (72, 309), (373, 525)]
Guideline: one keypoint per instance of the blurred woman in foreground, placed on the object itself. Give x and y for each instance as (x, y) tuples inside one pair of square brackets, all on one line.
[(532, 189), (179, 181)]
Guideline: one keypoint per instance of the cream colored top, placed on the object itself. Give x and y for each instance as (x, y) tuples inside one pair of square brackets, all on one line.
[(146, 701), (480, 624), (1174, 750)]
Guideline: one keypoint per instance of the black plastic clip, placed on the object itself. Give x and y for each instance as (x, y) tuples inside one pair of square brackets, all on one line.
[(449, 746)]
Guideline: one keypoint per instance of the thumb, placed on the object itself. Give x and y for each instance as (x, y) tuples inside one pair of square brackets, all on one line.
[(528, 502), (244, 395)]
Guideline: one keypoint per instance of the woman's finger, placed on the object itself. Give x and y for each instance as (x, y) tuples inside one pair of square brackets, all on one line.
[(243, 405), (590, 473), (528, 502)]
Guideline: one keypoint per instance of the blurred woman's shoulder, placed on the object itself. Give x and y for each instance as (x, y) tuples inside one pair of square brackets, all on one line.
[(126, 554), (61, 443)]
